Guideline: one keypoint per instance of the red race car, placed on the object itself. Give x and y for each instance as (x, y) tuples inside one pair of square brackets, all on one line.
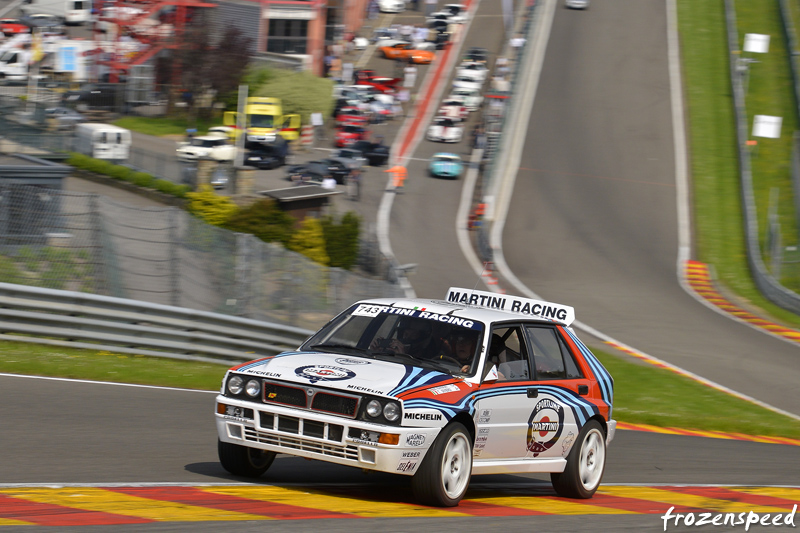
[(9, 27), (382, 84), (352, 115), (350, 133)]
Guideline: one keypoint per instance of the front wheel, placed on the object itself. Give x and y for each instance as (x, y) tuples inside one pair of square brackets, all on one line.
[(443, 476), (244, 461), (585, 464)]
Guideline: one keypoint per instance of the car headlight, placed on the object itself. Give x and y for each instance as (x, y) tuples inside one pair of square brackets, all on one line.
[(235, 385), (391, 411), (253, 388), (374, 408)]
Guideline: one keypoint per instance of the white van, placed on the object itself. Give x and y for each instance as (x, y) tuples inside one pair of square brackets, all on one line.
[(70, 11), (103, 141)]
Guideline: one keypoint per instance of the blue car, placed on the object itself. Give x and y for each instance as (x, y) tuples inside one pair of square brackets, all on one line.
[(446, 165)]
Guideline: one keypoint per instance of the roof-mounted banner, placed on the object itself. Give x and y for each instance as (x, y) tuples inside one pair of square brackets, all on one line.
[(512, 304)]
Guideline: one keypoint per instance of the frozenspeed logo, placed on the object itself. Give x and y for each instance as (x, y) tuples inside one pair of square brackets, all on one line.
[(544, 426), (315, 373)]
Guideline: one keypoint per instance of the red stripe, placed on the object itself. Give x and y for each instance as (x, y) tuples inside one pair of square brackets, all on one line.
[(635, 505), (488, 509), (224, 502), (720, 493), (45, 514)]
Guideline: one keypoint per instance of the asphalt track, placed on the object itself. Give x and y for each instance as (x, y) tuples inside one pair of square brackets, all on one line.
[(128, 448)]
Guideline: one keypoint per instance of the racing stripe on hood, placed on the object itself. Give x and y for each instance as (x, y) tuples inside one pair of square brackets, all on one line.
[(417, 377), (604, 379)]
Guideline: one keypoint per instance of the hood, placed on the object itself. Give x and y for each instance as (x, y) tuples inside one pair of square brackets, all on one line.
[(353, 374)]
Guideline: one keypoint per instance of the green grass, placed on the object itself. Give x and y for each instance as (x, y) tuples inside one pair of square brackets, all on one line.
[(165, 126), (643, 393), (718, 227)]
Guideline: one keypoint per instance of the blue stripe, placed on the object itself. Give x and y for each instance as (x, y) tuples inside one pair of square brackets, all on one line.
[(602, 375)]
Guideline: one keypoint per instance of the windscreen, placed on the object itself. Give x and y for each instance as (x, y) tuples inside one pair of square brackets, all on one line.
[(407, 336)]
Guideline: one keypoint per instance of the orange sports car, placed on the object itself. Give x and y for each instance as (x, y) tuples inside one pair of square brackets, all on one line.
[(403, 50)]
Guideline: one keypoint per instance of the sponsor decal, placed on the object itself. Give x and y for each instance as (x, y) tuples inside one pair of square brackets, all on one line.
[(364, 442), (406, 466), (484, 416), (346, 361), (315, 373), (544, 426), (375, 310), (567, 443), (476, 452), (483, 431), (444, 389), (267, 374), (515, 304), (481, 438), (422, 416), (411, 455), (363, 389), (415, 439)]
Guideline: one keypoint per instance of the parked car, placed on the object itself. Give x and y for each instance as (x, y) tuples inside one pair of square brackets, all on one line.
[(474, 70), (383, 84), (472, 97), (577, 4), (445, 130), (347, 134), (467, 83), (11, 26), (477, 54), (454, 109), (217, 147), (338, 168), (353, 116), (452, 13), (376, 153), (404, 51), (63, 117), (391, 6), (44, 23), (98, 95), (267, 156), (446, 165), (354, 159)]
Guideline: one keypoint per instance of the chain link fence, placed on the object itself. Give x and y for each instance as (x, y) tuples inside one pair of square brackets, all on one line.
[(90, 243)]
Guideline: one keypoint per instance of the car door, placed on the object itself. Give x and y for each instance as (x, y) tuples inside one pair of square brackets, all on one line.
[(504, 405)]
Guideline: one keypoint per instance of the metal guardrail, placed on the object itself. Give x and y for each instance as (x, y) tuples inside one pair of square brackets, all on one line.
[(82, 320)]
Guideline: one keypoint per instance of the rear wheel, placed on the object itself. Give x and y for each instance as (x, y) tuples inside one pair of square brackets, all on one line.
[(585, 464), (443, 476), (244, 461)]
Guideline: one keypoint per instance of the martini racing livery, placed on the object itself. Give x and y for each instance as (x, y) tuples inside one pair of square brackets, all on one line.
[(440, 390)]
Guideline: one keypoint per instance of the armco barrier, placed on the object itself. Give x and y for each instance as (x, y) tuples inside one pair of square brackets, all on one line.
[(81, 320)]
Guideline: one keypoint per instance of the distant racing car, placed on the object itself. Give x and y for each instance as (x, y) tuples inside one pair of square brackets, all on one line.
[(446, 165), (445, 130)]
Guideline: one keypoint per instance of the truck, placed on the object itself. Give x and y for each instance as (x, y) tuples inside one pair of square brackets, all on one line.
[(14, 64), (103, 141), (264, 120), (72, 12)]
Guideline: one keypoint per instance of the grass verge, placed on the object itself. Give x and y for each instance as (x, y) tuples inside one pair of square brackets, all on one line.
[(643, 394)]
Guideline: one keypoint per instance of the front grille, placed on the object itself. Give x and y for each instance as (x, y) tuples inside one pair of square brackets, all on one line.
[(283, 394), (334, 403), (311, 398), (294, 433)]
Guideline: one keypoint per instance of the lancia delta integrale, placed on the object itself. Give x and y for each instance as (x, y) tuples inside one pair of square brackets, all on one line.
[(440, 390)]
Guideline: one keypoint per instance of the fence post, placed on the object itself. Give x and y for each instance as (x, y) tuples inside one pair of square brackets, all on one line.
[(174, 259)]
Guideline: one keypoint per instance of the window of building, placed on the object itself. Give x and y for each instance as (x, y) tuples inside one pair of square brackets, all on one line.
[(287, 36)]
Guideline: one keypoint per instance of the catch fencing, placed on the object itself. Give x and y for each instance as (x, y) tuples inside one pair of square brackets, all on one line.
[(93, 244)]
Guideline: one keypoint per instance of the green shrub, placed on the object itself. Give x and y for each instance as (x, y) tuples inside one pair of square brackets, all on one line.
[(120, 172), (142, 179), (309, 241), (100, 166), (265, 220), (341, 239), (168, 187), (209, 206), (301, 93)]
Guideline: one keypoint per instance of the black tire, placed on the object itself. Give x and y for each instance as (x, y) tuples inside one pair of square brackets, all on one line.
[(443, 476), (586, 463), (244, 461)]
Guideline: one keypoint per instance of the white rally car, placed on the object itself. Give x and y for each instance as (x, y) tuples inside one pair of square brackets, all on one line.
[(440, 390), (445, 130)]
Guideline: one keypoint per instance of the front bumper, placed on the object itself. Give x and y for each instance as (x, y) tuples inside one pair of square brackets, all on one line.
[(326, 438)]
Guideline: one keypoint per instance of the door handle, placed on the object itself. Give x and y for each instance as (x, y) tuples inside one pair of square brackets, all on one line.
[(533, 392), (583, 390)]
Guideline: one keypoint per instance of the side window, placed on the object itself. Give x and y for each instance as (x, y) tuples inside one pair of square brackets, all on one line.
[(508, 353), (552, 359)]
